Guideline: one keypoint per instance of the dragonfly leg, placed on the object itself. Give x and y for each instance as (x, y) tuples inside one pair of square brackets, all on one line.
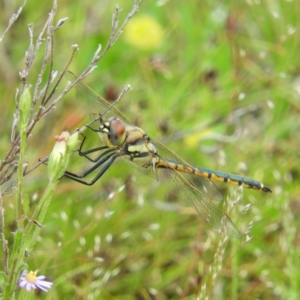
[(108, 159), (94, 129), (102, 155), (85, 153), (97, 165)]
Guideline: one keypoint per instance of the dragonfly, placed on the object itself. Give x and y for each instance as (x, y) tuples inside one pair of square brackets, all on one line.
[(125, 141)]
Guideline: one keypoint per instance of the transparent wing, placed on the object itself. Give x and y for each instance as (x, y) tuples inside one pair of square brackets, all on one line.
[(200, 192), (100, 103), (184, 188), (202, 183)]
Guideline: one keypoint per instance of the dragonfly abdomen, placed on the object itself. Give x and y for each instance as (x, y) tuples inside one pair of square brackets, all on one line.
[(215, 175), (232, 179)]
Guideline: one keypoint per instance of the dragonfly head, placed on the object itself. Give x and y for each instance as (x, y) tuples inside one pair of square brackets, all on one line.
[(115, 130)]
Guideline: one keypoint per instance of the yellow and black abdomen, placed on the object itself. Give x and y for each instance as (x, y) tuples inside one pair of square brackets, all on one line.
[(214, 175)]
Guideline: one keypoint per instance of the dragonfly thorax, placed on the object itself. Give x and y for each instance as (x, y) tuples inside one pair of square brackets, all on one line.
[(139, 147), (131, 141)]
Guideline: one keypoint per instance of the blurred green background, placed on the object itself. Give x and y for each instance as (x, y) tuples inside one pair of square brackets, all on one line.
[(219, 84)]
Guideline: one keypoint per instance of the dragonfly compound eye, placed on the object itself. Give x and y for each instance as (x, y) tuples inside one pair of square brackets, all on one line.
[(117, 132)]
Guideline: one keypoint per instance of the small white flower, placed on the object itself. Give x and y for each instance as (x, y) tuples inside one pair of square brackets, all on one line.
[(31, 281)]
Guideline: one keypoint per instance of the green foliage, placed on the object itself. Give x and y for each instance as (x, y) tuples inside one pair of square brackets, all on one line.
[(222, 91)]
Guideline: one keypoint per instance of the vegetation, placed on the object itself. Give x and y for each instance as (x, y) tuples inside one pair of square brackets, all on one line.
[(218, 83)]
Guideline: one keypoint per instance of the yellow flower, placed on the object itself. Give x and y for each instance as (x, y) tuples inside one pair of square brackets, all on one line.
[(144, 32)]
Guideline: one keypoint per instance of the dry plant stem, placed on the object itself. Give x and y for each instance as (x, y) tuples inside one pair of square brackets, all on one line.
[(49, 50), (30, 56), (12, 19), (13, 152), (43, 110), (114, 34), (34, 120)]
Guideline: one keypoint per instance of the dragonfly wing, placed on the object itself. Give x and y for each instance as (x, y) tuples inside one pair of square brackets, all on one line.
[(147, 172), (200, 192), (203, 204), (100, 103), (207, 186), (202, 183)]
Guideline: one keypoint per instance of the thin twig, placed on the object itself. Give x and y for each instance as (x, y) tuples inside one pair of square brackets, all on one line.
[(112, 39), (114, 35), (12, 20), (46, 106)]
